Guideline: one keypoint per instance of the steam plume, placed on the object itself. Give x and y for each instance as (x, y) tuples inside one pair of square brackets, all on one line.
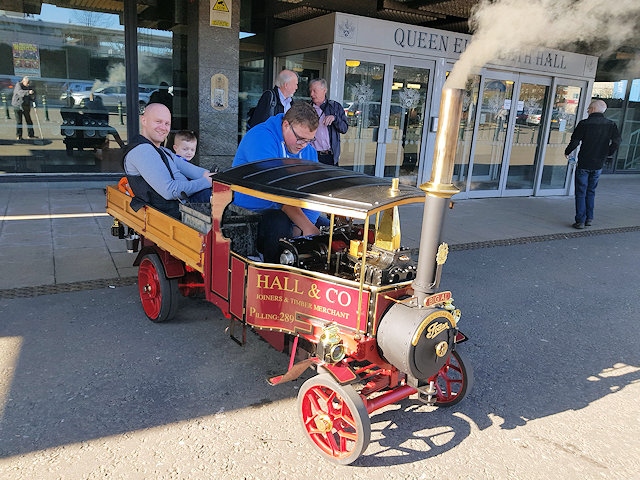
[(117, 76), (503, 27)]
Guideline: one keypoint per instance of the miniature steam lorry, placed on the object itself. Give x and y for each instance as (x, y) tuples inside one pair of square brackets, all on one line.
[(350, 302)]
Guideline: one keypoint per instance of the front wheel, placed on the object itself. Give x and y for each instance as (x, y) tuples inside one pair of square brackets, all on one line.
[(159, 295), (453, 381), (334, 418)]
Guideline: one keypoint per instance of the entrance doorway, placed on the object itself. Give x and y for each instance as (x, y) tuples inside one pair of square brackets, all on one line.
[(521, 125), (387, 101)]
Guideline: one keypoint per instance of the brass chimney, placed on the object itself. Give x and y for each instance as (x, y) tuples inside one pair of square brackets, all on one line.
[(439, 191)]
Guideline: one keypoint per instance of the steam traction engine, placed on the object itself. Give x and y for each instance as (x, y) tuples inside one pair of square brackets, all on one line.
[(351, 303)]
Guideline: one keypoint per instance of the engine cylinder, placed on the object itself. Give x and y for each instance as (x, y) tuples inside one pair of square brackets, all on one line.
[(417, 341)]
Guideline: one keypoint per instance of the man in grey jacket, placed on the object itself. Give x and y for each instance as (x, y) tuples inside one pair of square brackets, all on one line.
[(598, 138), (24, 97), (156, 177)]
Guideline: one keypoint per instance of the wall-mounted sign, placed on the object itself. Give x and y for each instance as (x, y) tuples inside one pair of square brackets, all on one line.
[(220, 13), (219, 92)]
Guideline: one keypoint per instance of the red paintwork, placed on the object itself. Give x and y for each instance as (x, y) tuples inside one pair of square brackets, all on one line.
[(392, 396), (236, 296), (220, 246), (295, 302)]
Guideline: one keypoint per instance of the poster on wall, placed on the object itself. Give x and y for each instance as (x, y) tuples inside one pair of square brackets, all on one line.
[(26, 60), (220, 13)]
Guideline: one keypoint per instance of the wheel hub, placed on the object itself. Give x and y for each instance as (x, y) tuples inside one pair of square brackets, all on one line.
[(323, 423)]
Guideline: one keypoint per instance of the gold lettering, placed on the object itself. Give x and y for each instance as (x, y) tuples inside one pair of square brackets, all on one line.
[(263, 281), (276, 284), (436, 328)]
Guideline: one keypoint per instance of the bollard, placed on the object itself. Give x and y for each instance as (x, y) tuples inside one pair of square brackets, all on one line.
[(120, 113), (6, 106), (46, 108)]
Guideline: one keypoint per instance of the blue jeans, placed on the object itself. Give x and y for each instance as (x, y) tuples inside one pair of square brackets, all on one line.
[(586, 182)]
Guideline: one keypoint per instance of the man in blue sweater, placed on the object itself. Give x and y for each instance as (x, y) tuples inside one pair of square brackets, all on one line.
[(155, 176), (287, 135)]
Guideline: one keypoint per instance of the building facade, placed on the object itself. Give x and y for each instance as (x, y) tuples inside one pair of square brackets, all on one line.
[(518, 115)]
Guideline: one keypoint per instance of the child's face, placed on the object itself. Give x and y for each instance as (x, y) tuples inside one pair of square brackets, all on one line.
[(186, 149)]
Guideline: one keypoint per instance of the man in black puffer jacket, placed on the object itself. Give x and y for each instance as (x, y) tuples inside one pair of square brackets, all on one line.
[(598, 138)]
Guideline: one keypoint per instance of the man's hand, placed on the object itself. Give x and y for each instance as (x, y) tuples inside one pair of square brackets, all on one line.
[(328, 120), (300, 220), (207, 175)]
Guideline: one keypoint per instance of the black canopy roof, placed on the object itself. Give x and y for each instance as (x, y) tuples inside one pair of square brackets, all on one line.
[(314, 185)]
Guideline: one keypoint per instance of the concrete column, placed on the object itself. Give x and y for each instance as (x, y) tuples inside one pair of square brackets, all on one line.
[(211, 51)]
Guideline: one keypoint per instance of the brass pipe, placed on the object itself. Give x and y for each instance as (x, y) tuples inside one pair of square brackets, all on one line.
[(438, 191), (444, 156)]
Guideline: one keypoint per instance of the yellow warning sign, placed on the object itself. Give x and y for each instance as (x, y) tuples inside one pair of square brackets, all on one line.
[(221, 6), (220, 13)]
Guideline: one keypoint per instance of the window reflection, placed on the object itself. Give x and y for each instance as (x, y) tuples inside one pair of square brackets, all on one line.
[(76, 61)]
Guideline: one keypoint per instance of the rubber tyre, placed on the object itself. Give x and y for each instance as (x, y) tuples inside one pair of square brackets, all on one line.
[(454, 380), (159, 295), (334, 419)]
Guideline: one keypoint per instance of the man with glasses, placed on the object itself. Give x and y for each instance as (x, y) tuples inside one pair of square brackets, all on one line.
[(286, 135)]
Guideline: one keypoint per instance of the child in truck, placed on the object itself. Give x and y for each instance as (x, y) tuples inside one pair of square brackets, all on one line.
[(185, 143)]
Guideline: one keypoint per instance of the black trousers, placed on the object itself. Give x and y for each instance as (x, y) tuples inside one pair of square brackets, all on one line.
[(19, 113), (326, 158)]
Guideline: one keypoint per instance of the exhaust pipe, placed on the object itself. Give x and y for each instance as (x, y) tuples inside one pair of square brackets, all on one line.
[(439, 191)]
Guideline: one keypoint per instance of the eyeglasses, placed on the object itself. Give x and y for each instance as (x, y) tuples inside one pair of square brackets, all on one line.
[(300, 140)]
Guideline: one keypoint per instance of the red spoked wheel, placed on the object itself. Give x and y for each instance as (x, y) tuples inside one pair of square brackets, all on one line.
[(453, 381), (334, 418), (159, 295)]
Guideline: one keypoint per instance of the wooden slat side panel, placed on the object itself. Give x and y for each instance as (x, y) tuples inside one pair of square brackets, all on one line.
[(180, 240)]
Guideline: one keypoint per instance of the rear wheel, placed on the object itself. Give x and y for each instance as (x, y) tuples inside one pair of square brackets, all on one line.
[(453, 381), (334, 418), (159, 295)]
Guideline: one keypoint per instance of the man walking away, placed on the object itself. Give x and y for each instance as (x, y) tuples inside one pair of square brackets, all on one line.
[(598, 138)]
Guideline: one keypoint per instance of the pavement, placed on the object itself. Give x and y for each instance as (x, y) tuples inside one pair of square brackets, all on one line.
[(55, 235)]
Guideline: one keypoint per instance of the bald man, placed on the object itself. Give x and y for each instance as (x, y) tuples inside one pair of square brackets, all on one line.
[(155, 176), (598, 138)]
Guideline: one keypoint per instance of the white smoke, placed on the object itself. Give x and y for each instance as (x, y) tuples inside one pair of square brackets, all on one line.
[(116, 76), (504, 27)]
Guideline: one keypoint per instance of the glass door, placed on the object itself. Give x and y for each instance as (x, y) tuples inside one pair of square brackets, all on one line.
[(556, 172), (362, 101), (386, 100), (531, 119), (492, 128), (407, 113)]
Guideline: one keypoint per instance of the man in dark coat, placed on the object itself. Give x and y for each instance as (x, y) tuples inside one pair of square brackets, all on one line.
[(333, 122), (276, 100), (598, 138), (162, 96)]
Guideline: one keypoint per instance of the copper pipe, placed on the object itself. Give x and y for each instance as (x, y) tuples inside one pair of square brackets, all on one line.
[(438, 191)]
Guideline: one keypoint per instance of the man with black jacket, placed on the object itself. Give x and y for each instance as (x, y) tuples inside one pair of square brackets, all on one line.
[(598, 138), (275, 101), (333, 122)]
